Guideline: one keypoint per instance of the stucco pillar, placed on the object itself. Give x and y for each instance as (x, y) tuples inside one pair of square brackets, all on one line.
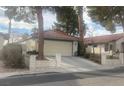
[(121, 57), (32, 63), (58, 59), (103, 58)]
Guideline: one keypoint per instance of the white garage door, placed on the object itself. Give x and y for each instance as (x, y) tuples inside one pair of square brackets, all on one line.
[(52, 47)]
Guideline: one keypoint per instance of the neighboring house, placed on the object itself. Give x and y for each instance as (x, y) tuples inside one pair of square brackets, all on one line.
[(3, 40), (107, 43), (55, 42)]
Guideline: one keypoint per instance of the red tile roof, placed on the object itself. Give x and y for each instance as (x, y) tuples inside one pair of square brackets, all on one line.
[(58, 35), (103, 39)]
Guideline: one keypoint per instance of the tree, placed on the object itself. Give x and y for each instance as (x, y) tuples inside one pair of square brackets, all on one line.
[(67, 20), (40, 32), (28, 14), (70, 19), (10, 13), (107, 16), (81, 29)]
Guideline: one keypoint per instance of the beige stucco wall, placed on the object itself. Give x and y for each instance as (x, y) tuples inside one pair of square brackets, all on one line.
[(1, 42), (51, 47), (30, 45), (99, 49), (118, 44), (75, 48)]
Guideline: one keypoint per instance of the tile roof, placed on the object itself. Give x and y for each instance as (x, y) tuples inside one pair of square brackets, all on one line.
[(103, 39), (58, 35)]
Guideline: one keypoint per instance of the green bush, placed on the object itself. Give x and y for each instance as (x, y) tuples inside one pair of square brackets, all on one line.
[(12, 56)]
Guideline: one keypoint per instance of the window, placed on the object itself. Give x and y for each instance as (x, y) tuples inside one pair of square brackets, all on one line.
[(111, 47), (95, 45), (106, 47)]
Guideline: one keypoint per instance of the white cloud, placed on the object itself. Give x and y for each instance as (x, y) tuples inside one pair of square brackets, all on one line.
[(4, 31), (49, 19), (22, 24)]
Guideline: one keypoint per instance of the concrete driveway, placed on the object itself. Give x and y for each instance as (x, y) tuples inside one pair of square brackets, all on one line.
[(81, 64)]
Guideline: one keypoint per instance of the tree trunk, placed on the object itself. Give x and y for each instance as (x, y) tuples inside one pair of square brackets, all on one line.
[(9, 31), (123, 24), (80, 24), (122, 20), (40, 33)]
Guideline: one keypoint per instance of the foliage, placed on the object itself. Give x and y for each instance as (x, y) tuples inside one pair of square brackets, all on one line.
[(81, 49), (112, 57), (34, 52), (30, 14), (12, 56), (67, 20), (108, 16)]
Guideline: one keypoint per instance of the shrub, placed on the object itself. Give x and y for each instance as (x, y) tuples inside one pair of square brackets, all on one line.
[(34, 52), (12, 56), (112, 57), (96, 58), (87, 55)]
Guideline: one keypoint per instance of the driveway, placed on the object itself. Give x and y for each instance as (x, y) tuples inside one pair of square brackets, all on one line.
[(84, 64)]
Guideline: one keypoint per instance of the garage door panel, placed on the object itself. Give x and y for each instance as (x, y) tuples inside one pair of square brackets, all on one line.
[(53, 47)]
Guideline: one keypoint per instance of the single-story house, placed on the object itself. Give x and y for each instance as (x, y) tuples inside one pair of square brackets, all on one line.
[(107, 43), (3, 40), (55, 42)]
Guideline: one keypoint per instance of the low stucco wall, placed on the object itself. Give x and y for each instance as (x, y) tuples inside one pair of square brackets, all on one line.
[(27, 60), (33, 64), (105, 61)]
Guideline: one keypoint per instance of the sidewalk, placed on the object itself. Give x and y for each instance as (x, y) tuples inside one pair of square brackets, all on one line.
[(6, 72), (63, 68)]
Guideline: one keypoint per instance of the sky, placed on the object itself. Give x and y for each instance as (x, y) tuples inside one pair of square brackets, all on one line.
[(49, 19)]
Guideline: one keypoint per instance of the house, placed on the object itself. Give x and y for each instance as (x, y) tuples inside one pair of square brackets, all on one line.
[(107, 43), (55, 42), (3, 40)]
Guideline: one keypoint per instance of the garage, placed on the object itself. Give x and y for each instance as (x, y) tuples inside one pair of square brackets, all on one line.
[(54, 42), (51, 47)]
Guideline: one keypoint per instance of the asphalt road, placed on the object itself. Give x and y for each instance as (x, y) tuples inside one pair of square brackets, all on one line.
[(95, 76), (62, 79)]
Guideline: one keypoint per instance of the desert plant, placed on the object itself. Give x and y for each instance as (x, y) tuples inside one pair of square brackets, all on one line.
[(12, 56)]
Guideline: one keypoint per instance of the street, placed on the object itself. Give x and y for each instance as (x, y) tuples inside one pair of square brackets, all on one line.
[(106, 77), (82, 72)]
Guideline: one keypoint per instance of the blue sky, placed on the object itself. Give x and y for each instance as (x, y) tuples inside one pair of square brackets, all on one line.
[(49, 19)]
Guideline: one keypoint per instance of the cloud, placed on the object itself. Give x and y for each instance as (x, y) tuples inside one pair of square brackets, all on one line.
[(49, 19)]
